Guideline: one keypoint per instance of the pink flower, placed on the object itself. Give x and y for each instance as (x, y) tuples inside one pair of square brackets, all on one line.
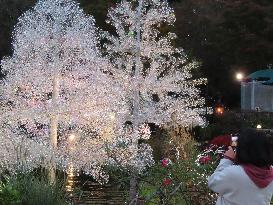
[(166, 162), (167, 182), (205, 160)]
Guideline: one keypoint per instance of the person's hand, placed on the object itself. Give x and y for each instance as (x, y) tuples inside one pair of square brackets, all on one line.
[(230, 153)]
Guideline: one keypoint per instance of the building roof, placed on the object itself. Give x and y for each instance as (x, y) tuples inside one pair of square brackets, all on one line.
[(262, 75)]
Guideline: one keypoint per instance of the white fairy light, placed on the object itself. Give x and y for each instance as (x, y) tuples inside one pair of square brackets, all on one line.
[(165, 81), (144, 131), (155, 76), (58, 83), (55, 84), (71, 137)]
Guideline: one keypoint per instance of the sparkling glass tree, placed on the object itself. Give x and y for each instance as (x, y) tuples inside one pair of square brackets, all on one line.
[(56, 87), (156, 76)]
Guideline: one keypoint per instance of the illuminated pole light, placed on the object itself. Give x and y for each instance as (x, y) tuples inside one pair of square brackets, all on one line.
[(259, 126), (239, 76)]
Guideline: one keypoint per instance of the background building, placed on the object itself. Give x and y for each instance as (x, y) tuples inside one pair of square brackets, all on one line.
[(257, 91)]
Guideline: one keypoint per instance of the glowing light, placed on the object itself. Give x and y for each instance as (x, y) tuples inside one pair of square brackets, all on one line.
[(239, 76), (259, 126), (112, 116), (71, 137), (70, 179), (219, 110)]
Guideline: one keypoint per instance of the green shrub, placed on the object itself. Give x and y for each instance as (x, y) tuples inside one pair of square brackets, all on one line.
[(29, 189), (186, 182), (231, 122), (9, 194)]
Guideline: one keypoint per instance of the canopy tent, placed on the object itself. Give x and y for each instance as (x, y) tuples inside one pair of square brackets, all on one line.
[(262, 75)]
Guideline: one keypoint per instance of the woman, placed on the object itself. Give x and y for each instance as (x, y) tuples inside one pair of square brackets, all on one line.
[(250, 180)]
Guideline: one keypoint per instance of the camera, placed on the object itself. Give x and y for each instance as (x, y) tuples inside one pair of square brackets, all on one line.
[(234, 142)]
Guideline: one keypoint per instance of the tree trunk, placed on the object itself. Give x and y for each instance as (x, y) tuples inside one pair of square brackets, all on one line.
[(133, 190), (136, 100), (54, 128)]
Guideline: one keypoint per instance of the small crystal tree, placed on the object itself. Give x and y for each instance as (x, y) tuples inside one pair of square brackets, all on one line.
[(155, 75), (54, 87)]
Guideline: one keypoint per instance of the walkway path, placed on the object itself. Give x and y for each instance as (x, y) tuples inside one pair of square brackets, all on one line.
[(92, 193)]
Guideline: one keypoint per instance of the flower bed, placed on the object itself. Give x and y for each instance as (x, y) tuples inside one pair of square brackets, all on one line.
[(182, 182)]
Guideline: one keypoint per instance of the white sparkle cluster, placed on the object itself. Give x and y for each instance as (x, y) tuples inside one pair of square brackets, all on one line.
[(22, 154), (56, 44), (154, 75), (59, 68), (165, 83)]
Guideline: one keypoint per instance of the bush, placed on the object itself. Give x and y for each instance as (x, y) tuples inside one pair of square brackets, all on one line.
[(183, 182), (9, 194), (29, 189), (232, 122)]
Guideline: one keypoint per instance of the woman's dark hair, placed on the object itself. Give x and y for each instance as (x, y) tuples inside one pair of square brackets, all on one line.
[(255, 147)]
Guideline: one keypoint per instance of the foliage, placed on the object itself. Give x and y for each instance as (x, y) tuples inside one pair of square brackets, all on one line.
[(9, 193), (181, 182), (29, 189), (118, 177), (232, 122)]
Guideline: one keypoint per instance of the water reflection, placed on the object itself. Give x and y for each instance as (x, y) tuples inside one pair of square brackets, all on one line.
[(83, 190), (70, 179)]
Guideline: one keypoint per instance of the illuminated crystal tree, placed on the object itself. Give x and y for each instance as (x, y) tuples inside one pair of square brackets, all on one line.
[(55, 87), (156, 76), (59, 87)]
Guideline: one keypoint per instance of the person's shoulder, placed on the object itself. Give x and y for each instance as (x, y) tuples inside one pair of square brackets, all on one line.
[(234, 171)]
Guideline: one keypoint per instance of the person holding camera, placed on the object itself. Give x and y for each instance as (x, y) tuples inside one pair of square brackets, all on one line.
[(245, 176)]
